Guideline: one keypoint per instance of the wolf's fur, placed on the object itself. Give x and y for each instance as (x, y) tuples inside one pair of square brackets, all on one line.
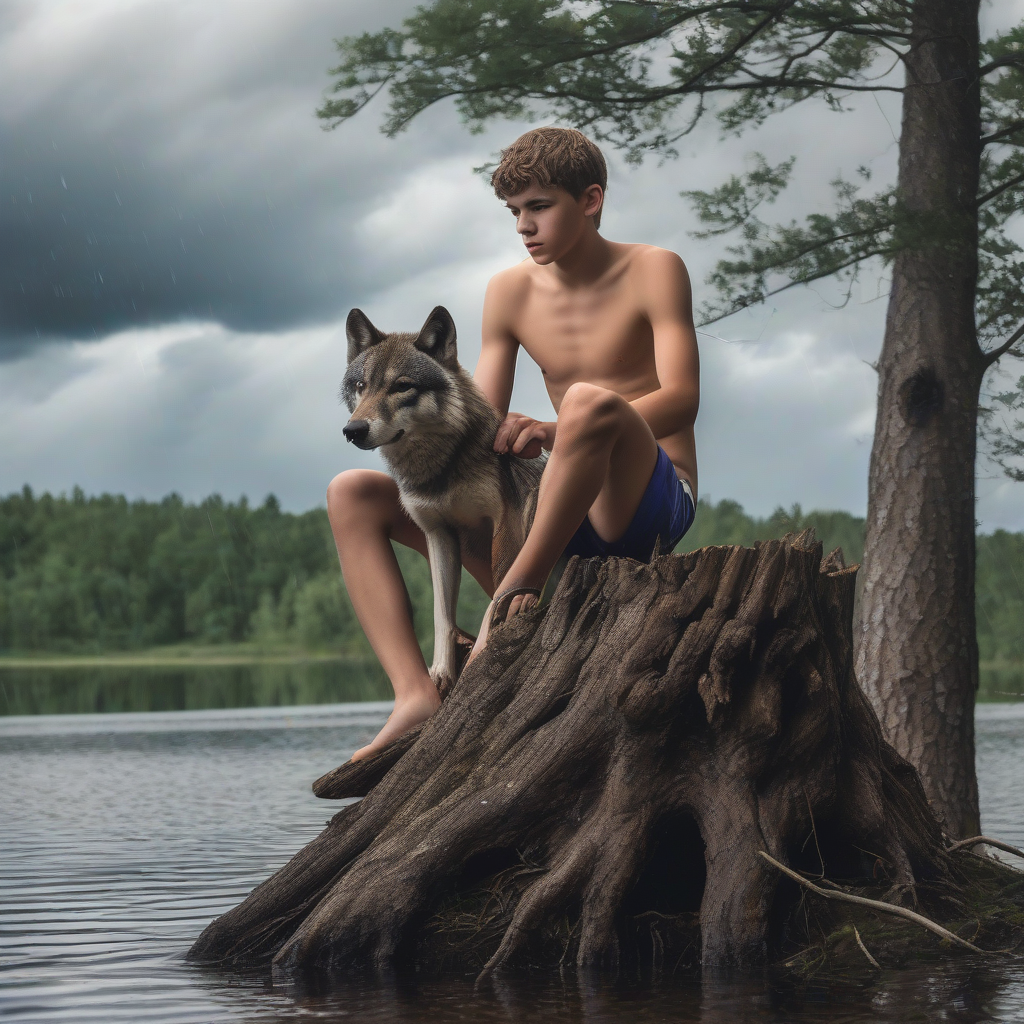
[(435, 429)]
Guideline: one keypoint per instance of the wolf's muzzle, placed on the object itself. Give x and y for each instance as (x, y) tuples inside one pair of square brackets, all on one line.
[(356, 431)]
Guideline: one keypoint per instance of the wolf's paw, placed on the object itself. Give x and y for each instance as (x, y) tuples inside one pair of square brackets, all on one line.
[(443, 679)]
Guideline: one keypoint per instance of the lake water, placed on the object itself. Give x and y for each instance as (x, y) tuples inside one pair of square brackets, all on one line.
[(184, 687), (122, 835)]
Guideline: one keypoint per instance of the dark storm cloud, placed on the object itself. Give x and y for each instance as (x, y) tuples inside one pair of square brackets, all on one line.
[(169, 203), (92, 245), (163, 162)]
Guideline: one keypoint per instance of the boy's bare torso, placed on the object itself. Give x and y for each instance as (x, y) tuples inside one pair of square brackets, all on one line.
[(599, 332)]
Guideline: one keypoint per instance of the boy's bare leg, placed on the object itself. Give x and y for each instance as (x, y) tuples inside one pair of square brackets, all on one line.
[(601, 463), (365, 515)]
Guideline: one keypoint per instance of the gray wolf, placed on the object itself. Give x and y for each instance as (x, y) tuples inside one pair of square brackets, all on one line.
[(410, 398)]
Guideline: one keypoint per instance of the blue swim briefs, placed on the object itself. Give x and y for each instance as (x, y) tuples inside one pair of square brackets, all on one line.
[(664, 514)]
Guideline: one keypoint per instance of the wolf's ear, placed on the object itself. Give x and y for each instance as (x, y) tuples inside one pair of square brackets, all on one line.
[(437, 337), (361, 333)]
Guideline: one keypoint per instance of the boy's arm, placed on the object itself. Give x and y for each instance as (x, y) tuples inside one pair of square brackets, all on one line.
[(496, 369), (665, 297)]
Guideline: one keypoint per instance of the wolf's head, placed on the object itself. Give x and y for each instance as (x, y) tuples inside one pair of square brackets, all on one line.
[(398, 383)]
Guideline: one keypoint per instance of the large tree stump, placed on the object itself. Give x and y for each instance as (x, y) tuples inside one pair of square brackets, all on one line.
[(688, 713)]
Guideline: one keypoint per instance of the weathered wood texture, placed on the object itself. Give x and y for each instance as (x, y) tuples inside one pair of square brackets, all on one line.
[(714, 688)]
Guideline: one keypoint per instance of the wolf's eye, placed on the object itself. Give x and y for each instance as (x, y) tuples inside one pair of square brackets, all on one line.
[(402, 384), (359, 385)]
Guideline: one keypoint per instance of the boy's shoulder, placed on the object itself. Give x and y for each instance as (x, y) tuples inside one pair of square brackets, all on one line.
[(644, 256), (514, 280), (640, 256)]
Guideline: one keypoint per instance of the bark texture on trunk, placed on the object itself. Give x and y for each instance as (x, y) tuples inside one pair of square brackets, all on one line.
[(916, 646), (649, 731)]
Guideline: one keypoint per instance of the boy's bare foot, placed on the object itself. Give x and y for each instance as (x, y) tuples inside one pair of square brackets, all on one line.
[(407, 714), (509, 603)]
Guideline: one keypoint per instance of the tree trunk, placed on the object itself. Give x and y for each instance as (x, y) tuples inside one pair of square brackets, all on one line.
[(626, 751), (916, 645)]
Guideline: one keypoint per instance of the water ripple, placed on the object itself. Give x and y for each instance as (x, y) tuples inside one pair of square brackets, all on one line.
[(122, 836)]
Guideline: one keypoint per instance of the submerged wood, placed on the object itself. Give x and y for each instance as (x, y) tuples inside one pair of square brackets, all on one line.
[(636, 745)]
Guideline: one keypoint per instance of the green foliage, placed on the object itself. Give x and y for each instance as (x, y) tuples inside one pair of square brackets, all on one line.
[(1001, 260), (596, 65), (1002, 426), (727, 523), (1000, 597), (770, 259), (103, 574)]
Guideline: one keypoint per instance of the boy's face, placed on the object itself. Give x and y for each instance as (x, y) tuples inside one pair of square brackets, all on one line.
[(550, 221)]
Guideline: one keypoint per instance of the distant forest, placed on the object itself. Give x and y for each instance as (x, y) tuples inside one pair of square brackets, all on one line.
[(81, 574)]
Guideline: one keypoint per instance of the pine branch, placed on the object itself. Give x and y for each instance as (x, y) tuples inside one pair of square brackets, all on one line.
[(995, 354), (1000, 189), (592, 65), (1009, 60), (740, 44), (1003, 133), (754, 300)]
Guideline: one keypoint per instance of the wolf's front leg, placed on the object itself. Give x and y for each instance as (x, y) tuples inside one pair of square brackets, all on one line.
[(445, 575)]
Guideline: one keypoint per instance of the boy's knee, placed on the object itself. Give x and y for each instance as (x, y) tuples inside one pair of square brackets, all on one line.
[(587, 408), (350, 492)]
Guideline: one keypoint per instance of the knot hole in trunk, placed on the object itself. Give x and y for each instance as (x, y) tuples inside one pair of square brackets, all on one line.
[(921, 397)]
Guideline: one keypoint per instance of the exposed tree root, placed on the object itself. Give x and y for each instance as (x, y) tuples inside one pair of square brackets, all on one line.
[(881, 905), (617, 761), (986, 909), (996, 844)]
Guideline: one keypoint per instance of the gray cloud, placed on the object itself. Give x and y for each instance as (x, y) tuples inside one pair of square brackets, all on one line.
[(196, 239), (198, 408), (163, 162)]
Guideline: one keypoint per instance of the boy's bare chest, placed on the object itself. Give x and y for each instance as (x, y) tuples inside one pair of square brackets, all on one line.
[(596, 336)]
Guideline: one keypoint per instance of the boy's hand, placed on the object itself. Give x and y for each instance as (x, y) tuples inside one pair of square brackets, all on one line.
[(523, 436)]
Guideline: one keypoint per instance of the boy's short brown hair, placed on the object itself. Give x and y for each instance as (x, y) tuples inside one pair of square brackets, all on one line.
[(548, 157)]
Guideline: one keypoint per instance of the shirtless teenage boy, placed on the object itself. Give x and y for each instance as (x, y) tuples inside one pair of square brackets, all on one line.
[(611, 327)]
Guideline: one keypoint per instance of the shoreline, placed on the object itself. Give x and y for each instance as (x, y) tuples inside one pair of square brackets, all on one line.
[(242, 654), (197, 657)]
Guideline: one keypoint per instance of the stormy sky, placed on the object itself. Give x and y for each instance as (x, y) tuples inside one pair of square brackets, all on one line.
[(180, 242)]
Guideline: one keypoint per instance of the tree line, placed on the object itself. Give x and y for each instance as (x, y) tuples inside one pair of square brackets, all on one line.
[(98, 574)]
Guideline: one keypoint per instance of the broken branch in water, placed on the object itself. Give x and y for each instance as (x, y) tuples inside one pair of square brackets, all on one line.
[(864, 949), (886, 908), (965, 844)]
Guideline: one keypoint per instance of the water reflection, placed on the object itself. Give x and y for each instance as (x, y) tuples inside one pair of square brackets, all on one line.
[(960, 994), (183, 687), (113, 688), (121, 836)]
